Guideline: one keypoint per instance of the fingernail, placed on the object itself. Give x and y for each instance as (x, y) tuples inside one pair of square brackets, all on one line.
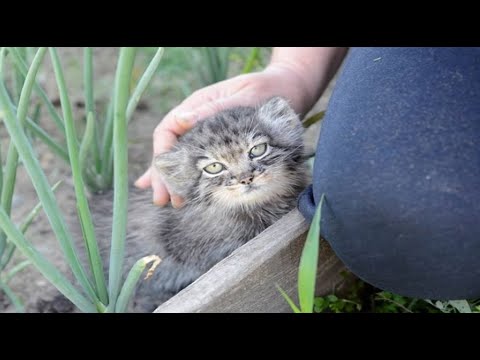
[(138, 185), (177, 201), (187, 117), (157, 201)]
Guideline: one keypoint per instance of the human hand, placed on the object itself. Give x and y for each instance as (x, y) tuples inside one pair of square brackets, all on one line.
[(243, 90)]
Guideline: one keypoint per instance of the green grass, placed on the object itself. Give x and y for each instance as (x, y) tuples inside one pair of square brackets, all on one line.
[(81, 198), (93, 295), (307, 271), (362, 297), (97, 147)]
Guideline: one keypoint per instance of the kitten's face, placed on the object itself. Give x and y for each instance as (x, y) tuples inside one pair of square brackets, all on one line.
[(247, 171), (241, 157)]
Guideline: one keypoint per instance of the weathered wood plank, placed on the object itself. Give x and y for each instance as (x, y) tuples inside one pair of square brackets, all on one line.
[(245, 281)]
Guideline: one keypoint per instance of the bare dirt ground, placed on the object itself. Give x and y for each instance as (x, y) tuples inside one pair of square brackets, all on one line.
[(29, 284)]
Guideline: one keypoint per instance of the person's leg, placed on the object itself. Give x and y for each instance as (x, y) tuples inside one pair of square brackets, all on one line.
[(398, 160)]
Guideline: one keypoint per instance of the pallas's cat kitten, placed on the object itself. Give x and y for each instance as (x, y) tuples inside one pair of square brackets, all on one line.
[(239, 171)]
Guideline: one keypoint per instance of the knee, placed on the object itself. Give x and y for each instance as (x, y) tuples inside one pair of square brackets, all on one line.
[(410, 250)]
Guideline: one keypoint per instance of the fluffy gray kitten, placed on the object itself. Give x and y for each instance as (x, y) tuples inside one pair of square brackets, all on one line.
[(239, 171)]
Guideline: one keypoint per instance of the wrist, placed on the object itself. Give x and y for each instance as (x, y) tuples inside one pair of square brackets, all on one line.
[(290, 84), (306, 72)]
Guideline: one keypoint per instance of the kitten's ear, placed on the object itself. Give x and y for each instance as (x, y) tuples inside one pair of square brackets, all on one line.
[(277, 110), (171, 166)]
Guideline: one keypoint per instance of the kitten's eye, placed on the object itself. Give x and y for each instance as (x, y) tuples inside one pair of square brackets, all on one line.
[(257, 150), (214, 168)]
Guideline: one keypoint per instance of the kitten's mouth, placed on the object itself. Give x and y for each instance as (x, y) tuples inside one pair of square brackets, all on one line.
[(259, 182), (244, 188), (249, 188), (263, 189)]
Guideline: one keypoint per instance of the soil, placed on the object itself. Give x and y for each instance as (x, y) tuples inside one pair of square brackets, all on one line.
[(35, 291)]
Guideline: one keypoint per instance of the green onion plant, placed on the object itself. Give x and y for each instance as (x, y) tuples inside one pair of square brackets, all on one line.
[(96, 159)]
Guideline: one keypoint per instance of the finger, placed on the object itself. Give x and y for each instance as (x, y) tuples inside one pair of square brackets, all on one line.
[(163, 140), (177, 201), (178, 122), (167, 132), (212, 107), (189, 119), (144, 181), (161, 196)]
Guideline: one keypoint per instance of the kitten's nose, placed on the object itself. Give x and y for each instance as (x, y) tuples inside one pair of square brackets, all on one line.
[(247, 180)]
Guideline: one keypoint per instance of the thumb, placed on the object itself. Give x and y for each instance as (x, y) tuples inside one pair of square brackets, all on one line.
[(144, 181)]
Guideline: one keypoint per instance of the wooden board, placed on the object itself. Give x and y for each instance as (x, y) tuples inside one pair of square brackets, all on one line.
[(245, 281)]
